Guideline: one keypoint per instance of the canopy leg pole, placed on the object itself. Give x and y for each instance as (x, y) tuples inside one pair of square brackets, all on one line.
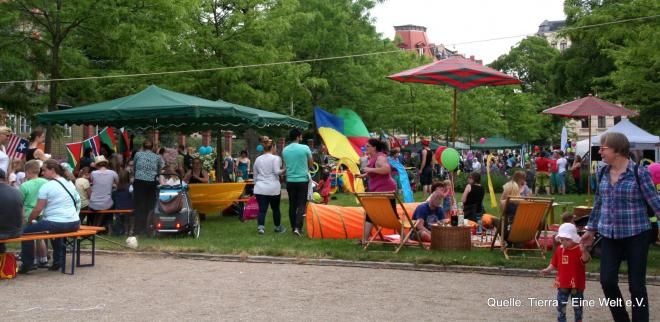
[(453, 138), (589, 177)]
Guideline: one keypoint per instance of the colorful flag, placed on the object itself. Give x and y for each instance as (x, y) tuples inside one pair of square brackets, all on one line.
[(124, 144), (17, 147), (331, 129), (74, 152), (107, 136), (93, 143)]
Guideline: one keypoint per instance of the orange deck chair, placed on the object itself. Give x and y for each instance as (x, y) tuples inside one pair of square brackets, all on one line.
[(378, 205), (527, 224)]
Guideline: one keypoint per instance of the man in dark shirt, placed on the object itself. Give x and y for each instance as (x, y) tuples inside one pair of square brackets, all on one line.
[(11, 212)]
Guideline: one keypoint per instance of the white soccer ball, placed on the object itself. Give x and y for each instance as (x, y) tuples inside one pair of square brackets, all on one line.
[(132, 242)]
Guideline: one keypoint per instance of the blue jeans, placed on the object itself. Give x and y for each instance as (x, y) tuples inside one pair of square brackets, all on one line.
[(563, 295), (634, 250), (264, 201), (561, 180), (27, 247)]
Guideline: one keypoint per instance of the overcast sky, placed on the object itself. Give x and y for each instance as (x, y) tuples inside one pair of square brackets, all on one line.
[(456, 21)]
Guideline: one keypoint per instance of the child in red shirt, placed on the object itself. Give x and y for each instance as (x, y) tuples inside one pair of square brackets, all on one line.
[(570, 261)]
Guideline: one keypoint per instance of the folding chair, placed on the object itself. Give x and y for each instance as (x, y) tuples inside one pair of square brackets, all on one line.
[(378, 206), (527, 224)]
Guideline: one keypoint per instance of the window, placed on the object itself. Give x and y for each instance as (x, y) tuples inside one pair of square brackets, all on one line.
[(25, 125), (617, 119), (584, 123), (562, 46), (553, 44), (601, 122), (11, 122), (67, 131), (420, 51)]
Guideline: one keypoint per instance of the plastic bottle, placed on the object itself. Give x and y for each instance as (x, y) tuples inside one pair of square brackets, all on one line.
[(454, 215)]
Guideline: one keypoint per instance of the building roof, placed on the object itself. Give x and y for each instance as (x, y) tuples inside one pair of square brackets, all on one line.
[(413, 37), (550, 26)]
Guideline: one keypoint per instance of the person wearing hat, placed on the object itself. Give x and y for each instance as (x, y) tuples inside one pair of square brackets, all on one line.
[(5, 133), (102, 180), (570, 262)]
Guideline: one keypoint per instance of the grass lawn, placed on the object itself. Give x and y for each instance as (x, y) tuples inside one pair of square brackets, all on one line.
[(227, 235)]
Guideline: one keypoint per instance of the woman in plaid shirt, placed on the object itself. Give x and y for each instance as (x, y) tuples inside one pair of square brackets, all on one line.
[(620, 216)]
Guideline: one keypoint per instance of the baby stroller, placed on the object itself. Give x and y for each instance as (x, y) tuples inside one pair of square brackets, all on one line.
[(173, 212)]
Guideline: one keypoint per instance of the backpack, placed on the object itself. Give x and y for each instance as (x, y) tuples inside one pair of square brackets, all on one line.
[(251, 210), (649, 210), (8, 266)]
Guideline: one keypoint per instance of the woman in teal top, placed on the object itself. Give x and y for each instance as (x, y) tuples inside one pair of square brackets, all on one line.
[(244, 164)]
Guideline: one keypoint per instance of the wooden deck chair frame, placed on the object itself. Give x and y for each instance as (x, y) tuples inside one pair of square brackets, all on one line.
[(378, 206), (528, 222)]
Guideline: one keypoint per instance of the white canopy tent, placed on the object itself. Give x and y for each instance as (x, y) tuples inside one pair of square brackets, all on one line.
[(639, 139)]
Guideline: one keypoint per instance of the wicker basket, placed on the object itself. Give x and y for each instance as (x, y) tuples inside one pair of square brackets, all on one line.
[(451, 238)]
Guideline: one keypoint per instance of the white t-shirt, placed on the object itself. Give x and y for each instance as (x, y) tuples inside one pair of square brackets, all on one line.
[(561, 165), (4, 160), (60, 207), (476, 166), (267, 169)]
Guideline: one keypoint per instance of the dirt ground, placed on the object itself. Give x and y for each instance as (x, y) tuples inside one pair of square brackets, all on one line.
[(135, 288)]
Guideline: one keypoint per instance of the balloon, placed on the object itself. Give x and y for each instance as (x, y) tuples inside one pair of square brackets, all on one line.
[(536, 148), (569, 150), (438, 154), (526, 156), (201, 150), (209, 149), (260, 148), (450, 159), (317, 197), (654, 169), (482, 141)]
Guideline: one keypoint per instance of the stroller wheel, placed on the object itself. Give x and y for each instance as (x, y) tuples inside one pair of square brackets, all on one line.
[(152, 232), (196, 227)]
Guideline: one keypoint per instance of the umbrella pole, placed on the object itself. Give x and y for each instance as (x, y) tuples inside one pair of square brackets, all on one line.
[(453, 137), (589, 177)]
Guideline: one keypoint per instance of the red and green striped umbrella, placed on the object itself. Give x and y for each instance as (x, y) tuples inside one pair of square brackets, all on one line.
[(457, 72), (589, 106)]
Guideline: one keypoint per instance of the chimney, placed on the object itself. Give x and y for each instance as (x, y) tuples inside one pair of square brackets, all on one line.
[(471, 57)]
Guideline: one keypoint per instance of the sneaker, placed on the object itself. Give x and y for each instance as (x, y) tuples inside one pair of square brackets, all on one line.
[(43, 265), (297, 232), (280, 229), (260, 231), (24, 269)]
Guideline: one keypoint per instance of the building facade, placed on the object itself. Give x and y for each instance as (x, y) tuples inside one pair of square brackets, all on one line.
[(414, 38), (550, 31)]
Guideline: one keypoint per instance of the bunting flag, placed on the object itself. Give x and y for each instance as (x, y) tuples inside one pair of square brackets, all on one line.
[(17, 147), (331, 129), (406, 191), (93, 143), (73, 153), (107, 136)]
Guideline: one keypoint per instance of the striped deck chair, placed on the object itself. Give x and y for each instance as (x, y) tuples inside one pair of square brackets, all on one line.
[(378, 205), (527, 222)]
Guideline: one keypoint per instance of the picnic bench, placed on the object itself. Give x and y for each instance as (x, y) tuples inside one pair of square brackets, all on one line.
[(72, 240)]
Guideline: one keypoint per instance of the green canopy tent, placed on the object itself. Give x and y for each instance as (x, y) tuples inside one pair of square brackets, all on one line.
[(496, 143), (434, 145), (157, 108)]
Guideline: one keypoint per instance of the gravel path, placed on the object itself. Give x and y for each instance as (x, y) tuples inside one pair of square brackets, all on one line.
[(134, 288)]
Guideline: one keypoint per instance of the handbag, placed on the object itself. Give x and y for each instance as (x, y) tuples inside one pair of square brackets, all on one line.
[(310, 188), (251, 210), (172, 205), (8, 266)]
